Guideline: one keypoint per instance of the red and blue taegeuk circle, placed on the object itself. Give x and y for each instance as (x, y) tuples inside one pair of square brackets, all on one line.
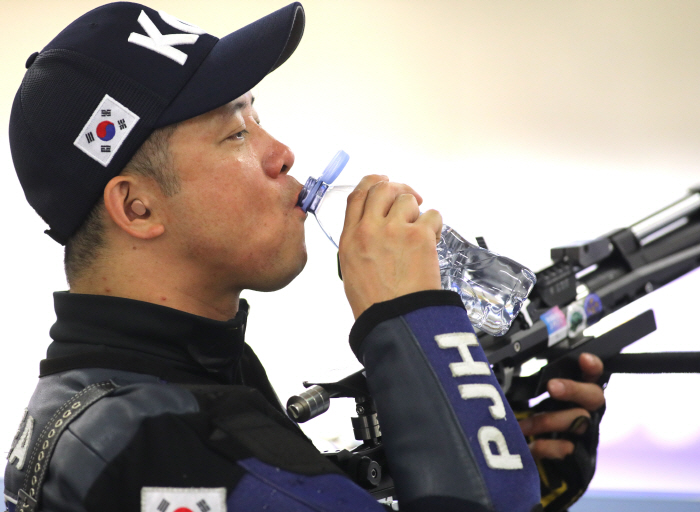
[(105, 130)]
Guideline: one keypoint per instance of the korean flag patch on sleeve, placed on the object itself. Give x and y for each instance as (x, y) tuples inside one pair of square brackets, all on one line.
[(183, 499), (106, 129)]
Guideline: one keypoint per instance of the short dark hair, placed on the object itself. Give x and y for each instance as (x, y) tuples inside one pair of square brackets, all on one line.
[(152, 160)]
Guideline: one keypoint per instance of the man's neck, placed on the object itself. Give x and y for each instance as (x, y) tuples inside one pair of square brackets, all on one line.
[(161, 283)]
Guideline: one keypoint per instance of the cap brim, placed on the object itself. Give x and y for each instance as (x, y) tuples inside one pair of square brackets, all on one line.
[(237, 63)]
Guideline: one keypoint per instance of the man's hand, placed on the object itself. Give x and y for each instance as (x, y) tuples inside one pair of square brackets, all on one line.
[(387, 248), (576, 420)]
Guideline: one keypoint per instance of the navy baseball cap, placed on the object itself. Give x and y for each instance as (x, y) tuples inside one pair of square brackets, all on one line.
[(98, 90)]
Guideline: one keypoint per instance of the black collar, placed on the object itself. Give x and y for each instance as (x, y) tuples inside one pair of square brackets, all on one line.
[(111, 332)]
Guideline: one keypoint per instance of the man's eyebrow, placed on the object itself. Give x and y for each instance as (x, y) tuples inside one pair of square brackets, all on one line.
[(240, 105), (233, 108)]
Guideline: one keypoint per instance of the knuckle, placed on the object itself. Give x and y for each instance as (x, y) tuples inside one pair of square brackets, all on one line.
[(569, 387), (564, 448), (415, 236), (396, 189), (573, 419), (551, 449), (362, 235), (372, 178), (579, 411), (409, 198), (379, 188), (543, 422), (433, 215), (356, 195), (393, 231)]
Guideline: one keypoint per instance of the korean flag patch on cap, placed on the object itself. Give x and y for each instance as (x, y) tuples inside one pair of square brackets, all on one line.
[(183, 499), (106, 129)]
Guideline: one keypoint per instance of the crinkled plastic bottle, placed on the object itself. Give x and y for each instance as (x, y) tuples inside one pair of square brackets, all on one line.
[(492, 287)]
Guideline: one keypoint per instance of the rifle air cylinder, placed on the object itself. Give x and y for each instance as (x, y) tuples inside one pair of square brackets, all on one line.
[(309, 404), (665, 218)]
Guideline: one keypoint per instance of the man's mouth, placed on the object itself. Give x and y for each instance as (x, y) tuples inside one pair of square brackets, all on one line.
[(301, 211), (301, 196)]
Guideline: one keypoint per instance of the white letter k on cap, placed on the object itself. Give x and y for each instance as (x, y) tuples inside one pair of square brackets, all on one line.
[(163, 44)]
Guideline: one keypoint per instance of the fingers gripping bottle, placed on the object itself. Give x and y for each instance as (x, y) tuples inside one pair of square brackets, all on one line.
[(492, 287)]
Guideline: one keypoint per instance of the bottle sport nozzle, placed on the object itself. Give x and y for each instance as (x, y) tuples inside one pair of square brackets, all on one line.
[(334, 168), (331, 172)]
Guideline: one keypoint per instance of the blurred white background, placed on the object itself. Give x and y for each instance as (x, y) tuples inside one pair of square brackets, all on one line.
[(531, 123)]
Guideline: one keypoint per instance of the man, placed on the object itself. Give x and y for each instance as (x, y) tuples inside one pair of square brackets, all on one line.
[(171, 199)]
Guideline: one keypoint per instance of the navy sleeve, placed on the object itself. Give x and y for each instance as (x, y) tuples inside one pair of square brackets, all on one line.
[(451, 439)]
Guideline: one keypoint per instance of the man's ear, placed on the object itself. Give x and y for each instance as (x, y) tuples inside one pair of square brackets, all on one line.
[(130, 202)]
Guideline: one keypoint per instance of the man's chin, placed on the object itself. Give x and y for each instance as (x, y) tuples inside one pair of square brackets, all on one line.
[(286, 278)]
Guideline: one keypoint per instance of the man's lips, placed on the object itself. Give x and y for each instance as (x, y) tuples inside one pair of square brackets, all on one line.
[(297, 200), (297, 205), (301, 212), (298, 196)]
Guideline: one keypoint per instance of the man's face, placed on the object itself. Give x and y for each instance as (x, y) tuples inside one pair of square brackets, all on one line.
[(235, 217)]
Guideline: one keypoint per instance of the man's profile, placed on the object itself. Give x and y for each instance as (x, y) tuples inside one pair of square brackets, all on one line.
[(171, 199)]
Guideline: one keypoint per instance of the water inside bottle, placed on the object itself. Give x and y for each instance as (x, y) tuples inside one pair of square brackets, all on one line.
[(492, 287)]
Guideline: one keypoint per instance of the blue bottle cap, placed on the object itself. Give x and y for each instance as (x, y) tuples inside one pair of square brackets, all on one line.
[(334, 168), (312, 186)]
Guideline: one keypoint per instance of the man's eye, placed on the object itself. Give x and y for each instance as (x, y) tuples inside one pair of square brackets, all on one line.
[(239, 136)]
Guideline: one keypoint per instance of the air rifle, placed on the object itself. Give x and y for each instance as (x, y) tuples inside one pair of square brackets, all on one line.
[(586, 282)]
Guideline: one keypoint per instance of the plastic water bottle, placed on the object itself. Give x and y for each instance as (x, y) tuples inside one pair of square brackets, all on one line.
[(492, 287)]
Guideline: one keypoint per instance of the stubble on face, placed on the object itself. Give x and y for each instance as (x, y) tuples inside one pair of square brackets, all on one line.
[(234, 219)]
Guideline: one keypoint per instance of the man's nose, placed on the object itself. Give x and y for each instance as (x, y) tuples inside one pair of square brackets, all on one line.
[(278, 158)]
